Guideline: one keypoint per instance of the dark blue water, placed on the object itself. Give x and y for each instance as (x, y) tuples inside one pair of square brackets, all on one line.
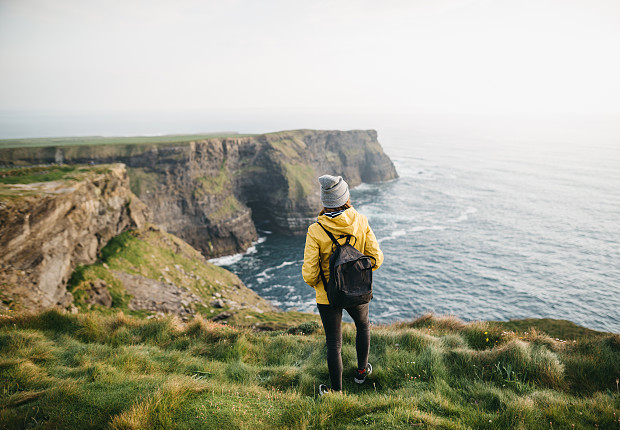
[(522, 220), (480, 230)]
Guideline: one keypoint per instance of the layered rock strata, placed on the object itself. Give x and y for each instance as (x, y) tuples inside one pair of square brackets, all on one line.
[(213, 192), (47, 228)]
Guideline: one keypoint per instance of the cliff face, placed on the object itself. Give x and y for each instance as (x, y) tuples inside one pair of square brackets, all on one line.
[(287, 190), (47, 228), (211, 192)]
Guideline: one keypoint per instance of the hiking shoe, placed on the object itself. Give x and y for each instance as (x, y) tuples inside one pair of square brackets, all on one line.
[(360, 375), (323, 390)]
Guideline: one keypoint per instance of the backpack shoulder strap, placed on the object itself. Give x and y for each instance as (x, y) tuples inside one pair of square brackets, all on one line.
[(322, 276), (333, 239), (331, 236)]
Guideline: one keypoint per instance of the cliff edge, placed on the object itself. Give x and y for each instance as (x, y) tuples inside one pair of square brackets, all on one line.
[(52, 219), (212, 192), (78, 238)]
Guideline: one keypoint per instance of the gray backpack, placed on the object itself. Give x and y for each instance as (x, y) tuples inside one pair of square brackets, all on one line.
[(350, 274)]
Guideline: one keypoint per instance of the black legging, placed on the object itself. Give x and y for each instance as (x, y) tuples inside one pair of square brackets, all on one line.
[(332, 323)]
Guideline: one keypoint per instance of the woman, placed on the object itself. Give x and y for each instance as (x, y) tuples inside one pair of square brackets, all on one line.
[(339, 217)]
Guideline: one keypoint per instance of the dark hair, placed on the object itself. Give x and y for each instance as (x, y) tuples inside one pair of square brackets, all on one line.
[(347, 205)]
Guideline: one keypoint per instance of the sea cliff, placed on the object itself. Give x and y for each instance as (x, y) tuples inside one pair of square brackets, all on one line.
[(76, 237), (213, 192), (58, 215), (48, 227)]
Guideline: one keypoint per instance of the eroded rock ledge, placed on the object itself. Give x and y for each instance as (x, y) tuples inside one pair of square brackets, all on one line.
[(47, 228), (213, 192)]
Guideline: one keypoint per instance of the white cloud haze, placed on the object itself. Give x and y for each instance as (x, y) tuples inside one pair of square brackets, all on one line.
[(487, 56)]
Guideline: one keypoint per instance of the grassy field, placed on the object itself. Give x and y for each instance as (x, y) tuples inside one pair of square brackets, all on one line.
[(101, 140), (558, 329), (30, 175), (110, 368), (91, 370)]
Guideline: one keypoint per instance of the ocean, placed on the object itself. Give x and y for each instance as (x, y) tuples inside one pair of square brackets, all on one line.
[(479, 229), (492, 217)]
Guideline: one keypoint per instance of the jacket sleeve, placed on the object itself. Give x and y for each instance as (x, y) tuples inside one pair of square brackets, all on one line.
[(310, 268), (372, 247)]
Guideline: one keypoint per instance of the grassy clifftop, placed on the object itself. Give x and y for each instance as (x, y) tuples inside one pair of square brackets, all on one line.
[(41, 142), (115, 371), (210, 189)]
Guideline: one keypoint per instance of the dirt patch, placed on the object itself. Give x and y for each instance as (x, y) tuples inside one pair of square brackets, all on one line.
[(157, 296)]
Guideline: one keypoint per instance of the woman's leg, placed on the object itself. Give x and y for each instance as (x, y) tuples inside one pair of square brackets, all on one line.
[(332, 323), (359, 314)]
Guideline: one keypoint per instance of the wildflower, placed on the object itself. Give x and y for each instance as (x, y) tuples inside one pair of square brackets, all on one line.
[(487, 339)]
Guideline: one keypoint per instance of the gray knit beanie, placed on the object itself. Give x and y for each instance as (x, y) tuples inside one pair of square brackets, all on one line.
[(334, 191)]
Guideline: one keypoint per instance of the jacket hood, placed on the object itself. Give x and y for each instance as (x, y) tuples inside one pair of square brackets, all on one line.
[(347, 222)]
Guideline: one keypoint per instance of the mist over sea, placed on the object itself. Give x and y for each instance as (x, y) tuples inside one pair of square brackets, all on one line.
[(490, 218)]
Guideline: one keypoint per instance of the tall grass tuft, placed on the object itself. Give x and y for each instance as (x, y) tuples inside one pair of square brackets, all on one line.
[(158, 410), (118, 371)]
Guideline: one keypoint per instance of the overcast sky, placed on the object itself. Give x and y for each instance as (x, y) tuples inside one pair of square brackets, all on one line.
[(488, 56)]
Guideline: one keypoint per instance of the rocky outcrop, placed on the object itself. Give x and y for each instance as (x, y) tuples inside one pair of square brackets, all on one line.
[(150, 270), (47, 228), (213, 192), (152, 295), (285, 192)]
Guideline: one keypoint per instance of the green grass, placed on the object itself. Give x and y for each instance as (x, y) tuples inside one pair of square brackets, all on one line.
[(559, 329), (228, 208), (299, 175), (142, 181), (289, 144), (301, 180), (100, 140), (115, 371), (214, 184), (32, 175), (154, 254), (23, 183)]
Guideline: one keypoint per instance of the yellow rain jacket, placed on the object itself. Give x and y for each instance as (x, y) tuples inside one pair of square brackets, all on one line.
[(318, 243)]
